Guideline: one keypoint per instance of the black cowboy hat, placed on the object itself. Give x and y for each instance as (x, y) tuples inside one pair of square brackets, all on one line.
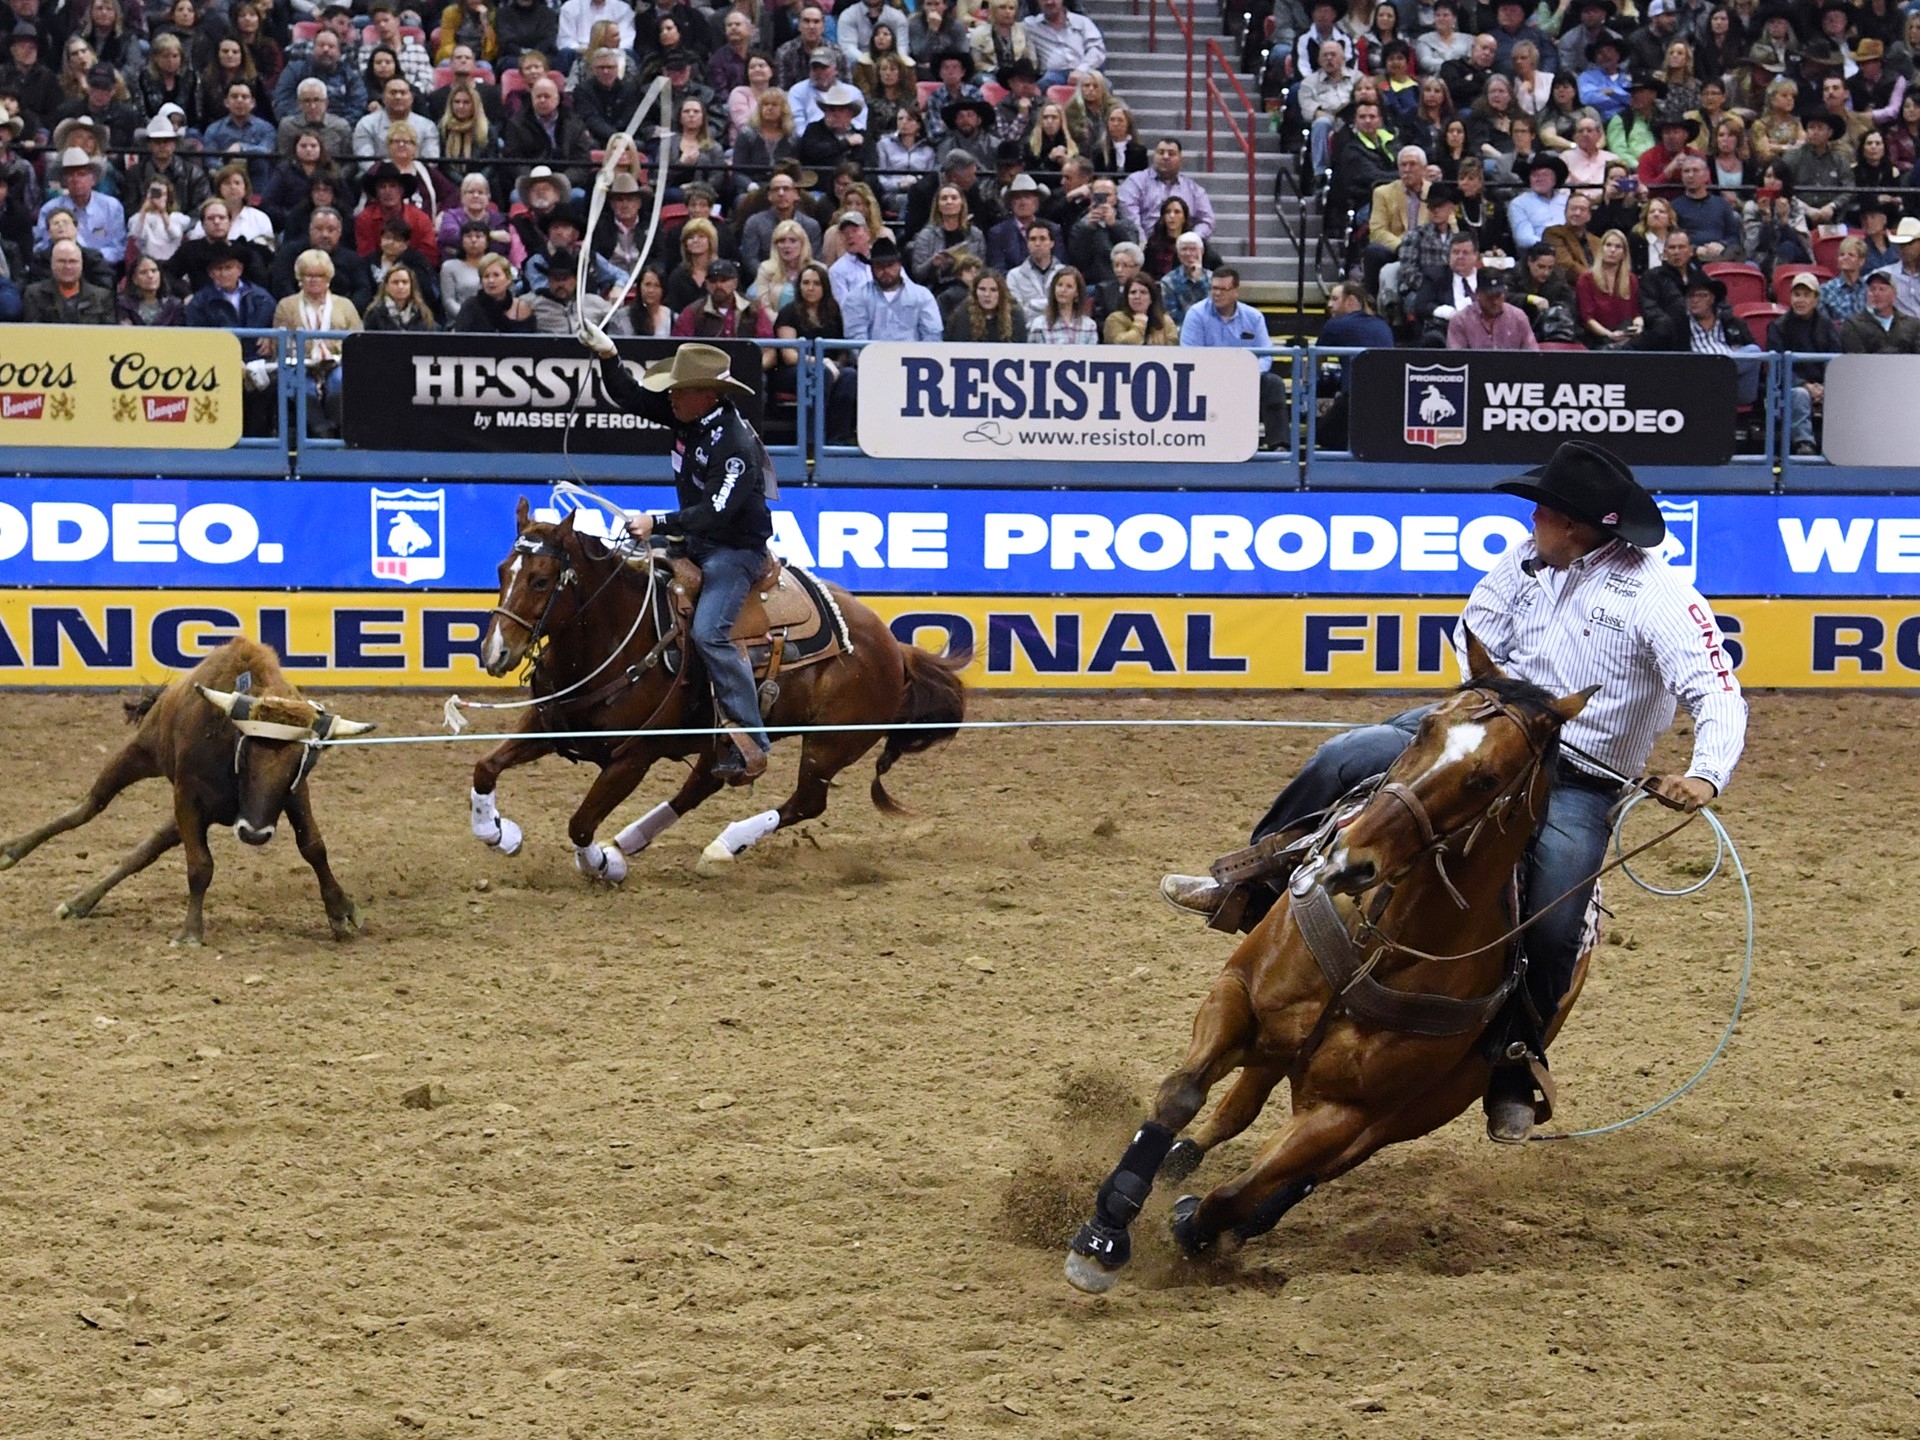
[(1019, 68), (1646, 81), (1761, 57), (1590, 483), (1820, 51), (1667, 116), (1704, 281), (1583, 6), (386, 171), (1606, 37), (1009, 152), (951, 112), (1443, 192), (1825, 117), (965, 57), (1547, 160)]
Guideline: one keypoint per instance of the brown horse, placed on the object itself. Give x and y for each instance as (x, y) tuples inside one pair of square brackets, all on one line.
[(1427, 862), (604, 662)]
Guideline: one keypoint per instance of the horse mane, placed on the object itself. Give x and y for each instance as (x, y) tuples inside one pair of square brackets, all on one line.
[(1531, 698)]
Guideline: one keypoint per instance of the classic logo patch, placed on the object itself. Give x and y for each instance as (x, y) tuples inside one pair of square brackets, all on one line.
[(409, 534)]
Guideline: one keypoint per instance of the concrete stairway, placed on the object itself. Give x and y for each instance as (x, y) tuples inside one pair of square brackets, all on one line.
[(1154, 86)]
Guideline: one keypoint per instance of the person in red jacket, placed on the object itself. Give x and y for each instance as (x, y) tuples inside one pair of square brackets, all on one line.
[(387, 188)]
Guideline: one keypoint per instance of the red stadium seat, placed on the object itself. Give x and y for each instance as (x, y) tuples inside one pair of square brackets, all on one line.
[(672, 214), (991, 92), (927, 89), (1826, 250), (1568, 345), (306, 30), (1758, 314), (1783, 278), (1062, 94), (414, 32), (512, 83), (1745, 283)]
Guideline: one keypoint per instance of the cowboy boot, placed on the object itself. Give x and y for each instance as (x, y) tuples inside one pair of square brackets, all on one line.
[(744, 763)]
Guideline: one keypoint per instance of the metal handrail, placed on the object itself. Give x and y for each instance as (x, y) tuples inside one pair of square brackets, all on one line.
[(1216, 100)]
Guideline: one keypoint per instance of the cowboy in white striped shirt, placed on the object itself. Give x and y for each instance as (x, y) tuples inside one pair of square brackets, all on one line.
[(1583, 603)]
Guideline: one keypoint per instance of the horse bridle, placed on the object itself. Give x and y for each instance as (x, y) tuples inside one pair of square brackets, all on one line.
[(1435, 842), (566, 579)]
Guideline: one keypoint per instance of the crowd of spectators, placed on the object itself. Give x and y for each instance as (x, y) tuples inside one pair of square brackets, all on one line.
[(1575, 173), (878, 171)]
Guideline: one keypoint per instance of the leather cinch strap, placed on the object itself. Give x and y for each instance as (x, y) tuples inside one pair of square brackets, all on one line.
[(1365, 998)]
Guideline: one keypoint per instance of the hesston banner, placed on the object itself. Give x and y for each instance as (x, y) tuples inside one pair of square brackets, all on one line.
[(76, 385), (513, 393), (1515, 406), (1027, 403), (407, 638)]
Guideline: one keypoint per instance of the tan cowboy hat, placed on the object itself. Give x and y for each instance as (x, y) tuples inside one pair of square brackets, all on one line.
[(695, 367)]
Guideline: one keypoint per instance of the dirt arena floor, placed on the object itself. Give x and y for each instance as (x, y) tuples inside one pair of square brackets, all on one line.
[(793, 1152)]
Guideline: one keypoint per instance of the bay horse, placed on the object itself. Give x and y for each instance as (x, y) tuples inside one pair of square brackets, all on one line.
[(577, 598), (1425, 862)]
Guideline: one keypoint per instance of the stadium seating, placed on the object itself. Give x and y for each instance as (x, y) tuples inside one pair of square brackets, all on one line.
[(1746, 284), (1783, 278)]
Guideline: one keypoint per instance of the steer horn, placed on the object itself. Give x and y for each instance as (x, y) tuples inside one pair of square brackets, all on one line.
[(230, 703), (340, 728)]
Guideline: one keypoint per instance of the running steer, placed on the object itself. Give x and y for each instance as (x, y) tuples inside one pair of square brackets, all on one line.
[(238, 743)]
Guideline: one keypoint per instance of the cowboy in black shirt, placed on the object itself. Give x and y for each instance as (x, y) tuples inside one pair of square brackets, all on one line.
[(720, 474)]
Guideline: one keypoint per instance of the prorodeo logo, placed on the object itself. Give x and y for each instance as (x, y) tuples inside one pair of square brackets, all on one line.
[(1436, 406)]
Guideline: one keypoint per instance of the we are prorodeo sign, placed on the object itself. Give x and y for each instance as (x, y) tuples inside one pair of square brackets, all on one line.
[(1517, 406), (1029, 402)]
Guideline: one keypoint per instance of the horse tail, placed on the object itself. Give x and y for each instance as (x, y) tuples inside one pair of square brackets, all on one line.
[(934, 697), (136, 710)]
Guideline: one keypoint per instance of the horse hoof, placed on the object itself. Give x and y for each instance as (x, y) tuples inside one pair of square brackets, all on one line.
[(716, 859), (1186, 1233), (1182, 1160), (1088, 1275), (346, 926), (508, 841), (192, 942), (65, 911), (8, 859), (601, 865)]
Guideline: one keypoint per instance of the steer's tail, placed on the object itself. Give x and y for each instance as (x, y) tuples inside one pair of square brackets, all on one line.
[(935, 698)]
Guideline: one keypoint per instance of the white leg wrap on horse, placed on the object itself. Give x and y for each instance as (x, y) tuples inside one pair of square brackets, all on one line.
[(597, 862), (490, 827), (648, 828), (742, 833)]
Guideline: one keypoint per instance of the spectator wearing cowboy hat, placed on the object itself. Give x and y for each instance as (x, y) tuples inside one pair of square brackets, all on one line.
[(1821, 172), (1906, 275), (953, 74), (967, 124), (1014, 117), (1006, 241), (1603, 85), (163, 161), (1881, 329), (387, 188), (838, 135), (1658, 167), (808, 96), (1712, 328), (1543, 204), (1591, 20), (1631, 133), (1762, 68), (101, 220)]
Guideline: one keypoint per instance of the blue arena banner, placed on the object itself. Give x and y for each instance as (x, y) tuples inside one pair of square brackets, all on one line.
[(403, 535)]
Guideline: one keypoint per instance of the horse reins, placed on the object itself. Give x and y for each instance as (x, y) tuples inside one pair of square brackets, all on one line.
[(1436, 843)]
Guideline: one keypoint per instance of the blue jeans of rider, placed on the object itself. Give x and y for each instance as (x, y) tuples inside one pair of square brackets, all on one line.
[(725, 578), (1569, 844)]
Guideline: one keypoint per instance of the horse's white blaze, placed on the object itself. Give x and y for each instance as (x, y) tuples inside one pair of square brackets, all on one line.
[(1462, 741), (494, 649)]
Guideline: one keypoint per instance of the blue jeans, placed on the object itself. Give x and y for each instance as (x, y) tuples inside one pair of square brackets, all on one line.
[(1569, 844), (725, 578), (1800, 430)]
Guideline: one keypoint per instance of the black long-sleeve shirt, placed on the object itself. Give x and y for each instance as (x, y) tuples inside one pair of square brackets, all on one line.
[(719, 469)]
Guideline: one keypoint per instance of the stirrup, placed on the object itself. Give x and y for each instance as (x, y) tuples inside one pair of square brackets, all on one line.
[(744, 763)]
